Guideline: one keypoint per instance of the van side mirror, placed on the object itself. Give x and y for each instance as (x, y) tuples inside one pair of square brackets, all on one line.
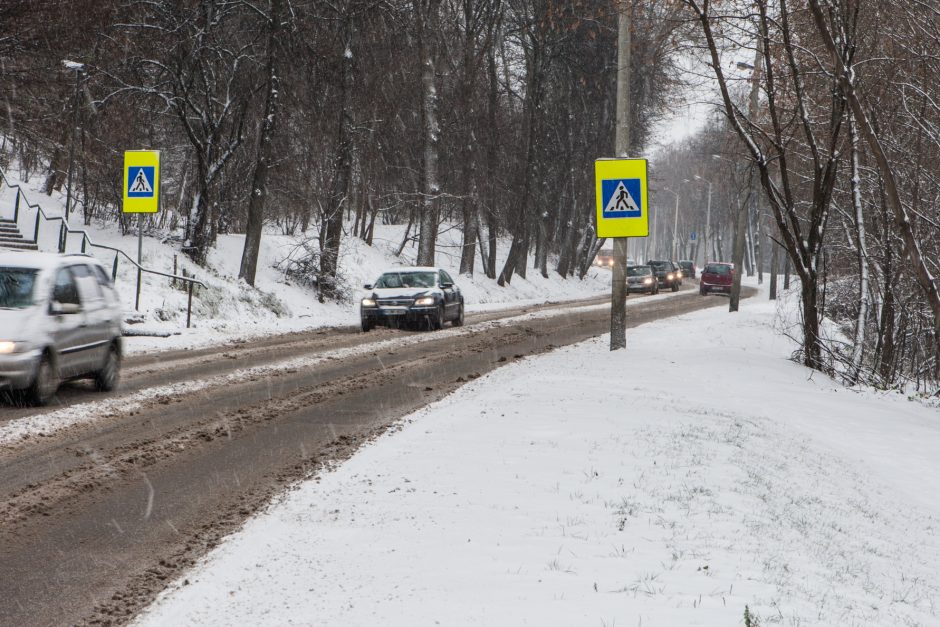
[(367, 286), (59, 309), (447, 285)]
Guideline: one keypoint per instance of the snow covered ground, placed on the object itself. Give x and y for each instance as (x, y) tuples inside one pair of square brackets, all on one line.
[(673, 483), (229, 309)]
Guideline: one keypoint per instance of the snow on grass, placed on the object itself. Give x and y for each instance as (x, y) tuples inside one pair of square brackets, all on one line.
[(674, 483)]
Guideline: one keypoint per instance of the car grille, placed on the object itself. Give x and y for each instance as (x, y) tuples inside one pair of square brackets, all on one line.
[(395, 302)]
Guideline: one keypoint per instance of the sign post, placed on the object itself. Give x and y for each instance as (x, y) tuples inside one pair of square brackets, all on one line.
[(621, 192), (141, 195)]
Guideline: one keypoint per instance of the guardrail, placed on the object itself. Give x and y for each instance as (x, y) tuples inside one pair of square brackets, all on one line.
[(65, 230)]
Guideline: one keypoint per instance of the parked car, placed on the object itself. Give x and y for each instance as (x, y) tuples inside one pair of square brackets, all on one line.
[(60, 319), (641, 279), (667, 274), (687, 267), (716, 277), (412, 295)]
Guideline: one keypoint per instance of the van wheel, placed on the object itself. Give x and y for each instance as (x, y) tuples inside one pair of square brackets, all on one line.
[(45, 384), (108, 377)]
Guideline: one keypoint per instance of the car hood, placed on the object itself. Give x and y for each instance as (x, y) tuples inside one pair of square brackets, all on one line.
[(403, 292), (16, 324)]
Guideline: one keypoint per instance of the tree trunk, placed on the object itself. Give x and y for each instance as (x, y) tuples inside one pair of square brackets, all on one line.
[(259, 184), (429, 12), (861, 244), (774, 269)]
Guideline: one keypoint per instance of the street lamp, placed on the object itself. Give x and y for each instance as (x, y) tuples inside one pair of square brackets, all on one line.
[(708, 215), (79, 68), (675, 223)]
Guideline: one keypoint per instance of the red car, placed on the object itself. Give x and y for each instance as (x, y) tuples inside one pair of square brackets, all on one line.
[(716, 277)]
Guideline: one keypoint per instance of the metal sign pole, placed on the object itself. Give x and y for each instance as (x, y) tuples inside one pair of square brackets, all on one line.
[(140, 256)]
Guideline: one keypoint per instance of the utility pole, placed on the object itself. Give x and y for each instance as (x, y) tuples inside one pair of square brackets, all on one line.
[(708, 220), (618, 288), (741, 218)]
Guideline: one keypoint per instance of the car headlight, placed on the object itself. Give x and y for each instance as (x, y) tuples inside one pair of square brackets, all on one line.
[(669, 277), (424, 301), (678, 275), (647, 281), (610, 262), (368, 302), (7, 348)]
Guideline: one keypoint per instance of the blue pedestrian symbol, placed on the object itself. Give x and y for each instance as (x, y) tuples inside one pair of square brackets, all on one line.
[(621, 198), (140, 180)]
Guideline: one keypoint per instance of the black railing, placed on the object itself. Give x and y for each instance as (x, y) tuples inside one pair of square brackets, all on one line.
[(65, 230)]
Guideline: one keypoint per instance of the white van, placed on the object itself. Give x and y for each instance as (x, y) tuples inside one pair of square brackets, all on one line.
[(60, 319)]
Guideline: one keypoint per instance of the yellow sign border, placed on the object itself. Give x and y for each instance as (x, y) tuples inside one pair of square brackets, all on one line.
[(142, 158), (621, 169)]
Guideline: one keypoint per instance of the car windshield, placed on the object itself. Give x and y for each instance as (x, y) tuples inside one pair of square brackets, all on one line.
[(685, 264), (16, 287), (638, 271), (659, 265), (717, 269), (406, 279)]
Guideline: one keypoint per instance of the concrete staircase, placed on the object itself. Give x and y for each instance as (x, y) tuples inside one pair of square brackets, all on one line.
[(10, 237)]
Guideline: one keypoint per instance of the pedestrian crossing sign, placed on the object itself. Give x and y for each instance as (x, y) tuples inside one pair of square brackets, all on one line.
[(621, 192), (141, 181)]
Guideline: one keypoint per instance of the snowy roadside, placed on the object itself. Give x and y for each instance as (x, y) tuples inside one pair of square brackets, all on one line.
[(669, 484)]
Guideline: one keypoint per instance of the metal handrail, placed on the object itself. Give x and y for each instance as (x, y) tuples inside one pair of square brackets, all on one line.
[(65, 230)]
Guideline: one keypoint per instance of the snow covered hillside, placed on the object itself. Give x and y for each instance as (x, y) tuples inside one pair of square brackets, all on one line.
[(674, 483), (230, 308)]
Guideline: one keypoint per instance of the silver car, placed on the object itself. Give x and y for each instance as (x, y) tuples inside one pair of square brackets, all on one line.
[(60, 319)]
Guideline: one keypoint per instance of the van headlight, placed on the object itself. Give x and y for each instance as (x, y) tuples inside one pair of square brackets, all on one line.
[(368, 302), (9, 347), (424, 301), (647, 281)]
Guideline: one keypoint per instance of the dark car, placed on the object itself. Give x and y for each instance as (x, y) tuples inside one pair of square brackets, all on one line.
[(421, 295), (641, 279), (667, 274), (716, 277), (688, 268)]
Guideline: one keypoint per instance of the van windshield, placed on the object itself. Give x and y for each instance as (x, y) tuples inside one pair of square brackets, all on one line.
[(718, 269), (16, 287)]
